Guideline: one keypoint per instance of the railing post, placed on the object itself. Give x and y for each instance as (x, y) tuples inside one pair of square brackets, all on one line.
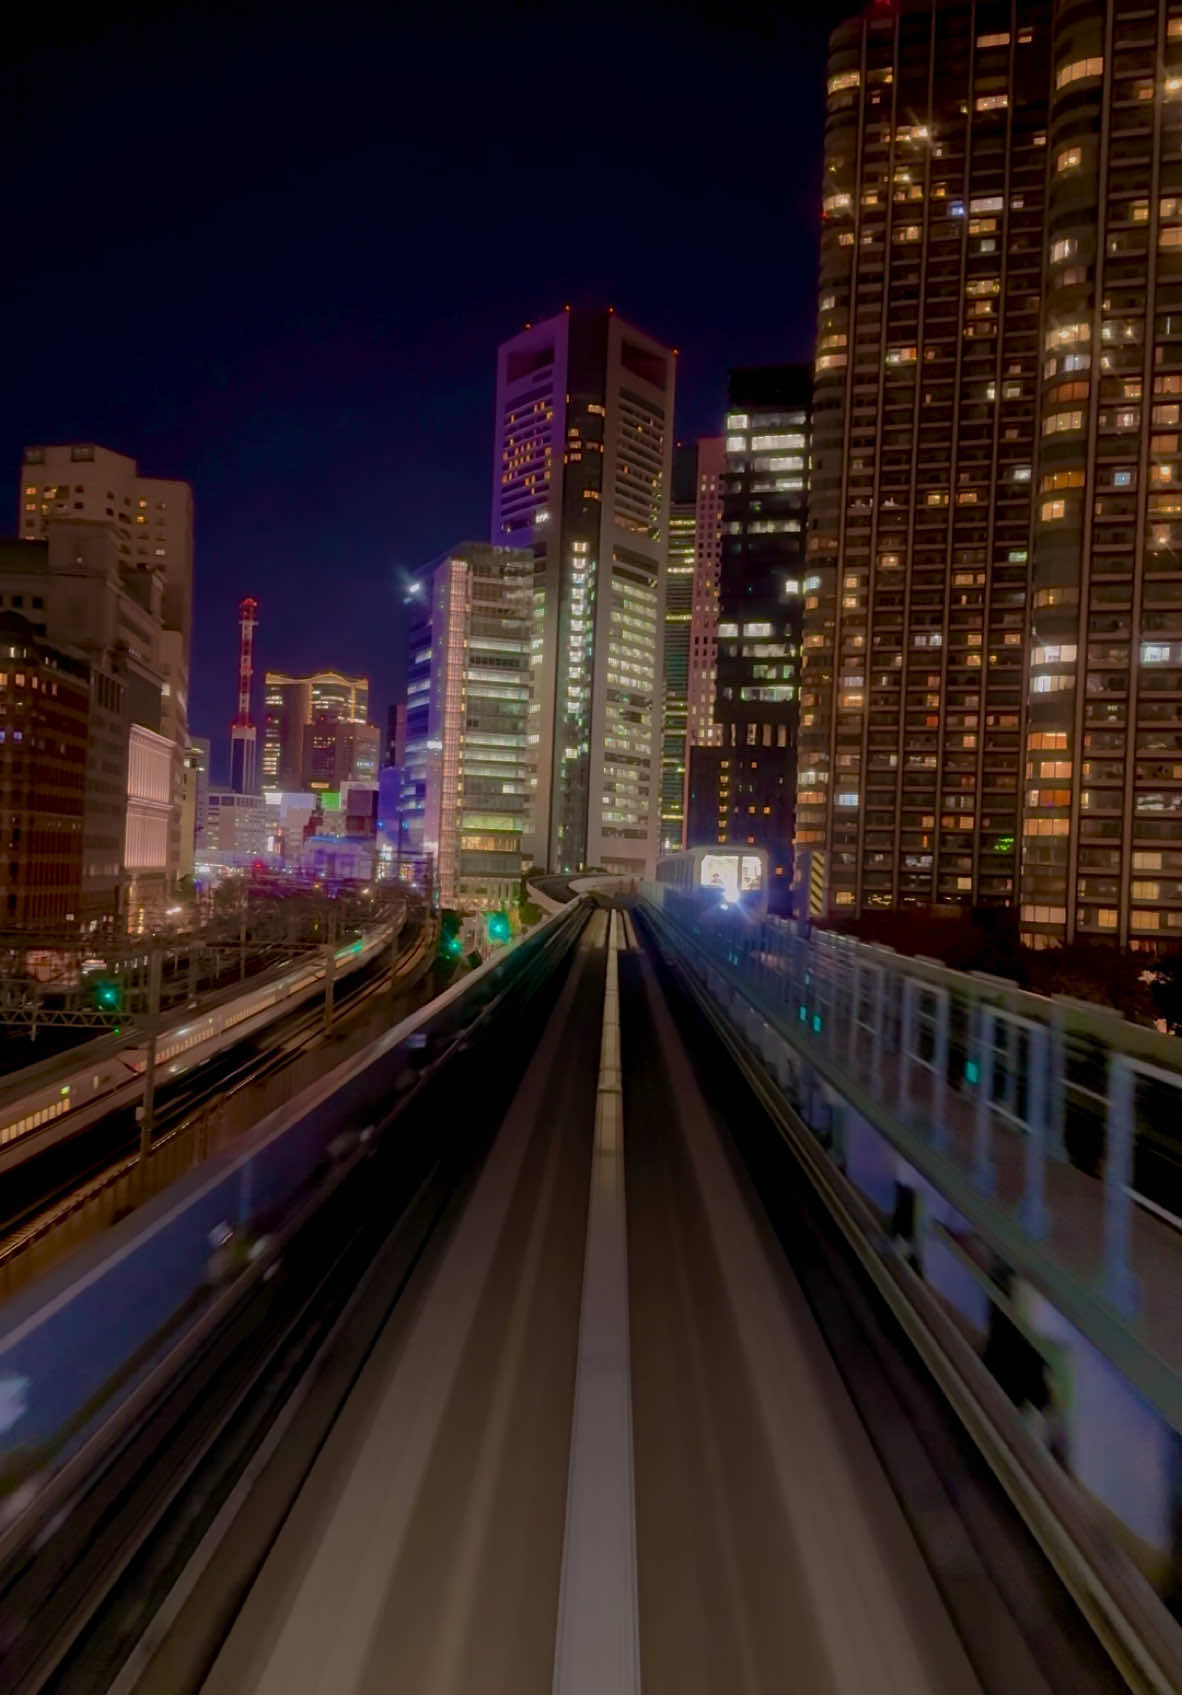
[(984, 1172), (855, 1012), (878, 1036), (906, 1042), (147, 1109), (1034, 1208), (1120, 1282), (1057, 1102), (1010, 1098), (939, 1135)]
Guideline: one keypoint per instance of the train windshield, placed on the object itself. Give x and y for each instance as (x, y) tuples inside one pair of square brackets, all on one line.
[(732, 874)]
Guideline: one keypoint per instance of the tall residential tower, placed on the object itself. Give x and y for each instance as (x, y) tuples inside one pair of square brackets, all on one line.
[(584, 440), (1102, 824), (924, 448)]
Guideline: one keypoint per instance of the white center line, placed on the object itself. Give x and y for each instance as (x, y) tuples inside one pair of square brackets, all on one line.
[(597, 1645)]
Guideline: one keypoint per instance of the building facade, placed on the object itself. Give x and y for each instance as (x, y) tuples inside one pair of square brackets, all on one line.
[(464, 777), (148, 825), (702, 730), (235, 831), (78, 593), (151, 521), (298, 709), (44, 733), (743, 789), (196, 802), (925, 440), (1102, 795), (679, 600), (584, 441)]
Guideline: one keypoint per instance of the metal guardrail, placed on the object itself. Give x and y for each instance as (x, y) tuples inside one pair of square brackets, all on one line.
[(964, 1078), (136, 1295), (1143, 1641)]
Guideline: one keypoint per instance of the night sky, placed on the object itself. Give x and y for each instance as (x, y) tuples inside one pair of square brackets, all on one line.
[(272, 251)]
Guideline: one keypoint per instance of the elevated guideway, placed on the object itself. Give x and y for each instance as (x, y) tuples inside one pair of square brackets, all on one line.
[(575, 1361)]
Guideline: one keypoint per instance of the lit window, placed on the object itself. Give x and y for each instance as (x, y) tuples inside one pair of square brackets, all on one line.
[(1000, 38), (991, 102), (1077, 70), (1064, 248), (1067, 335), (1052, 509), (844, 79), (1069, 158), (1057, 422)]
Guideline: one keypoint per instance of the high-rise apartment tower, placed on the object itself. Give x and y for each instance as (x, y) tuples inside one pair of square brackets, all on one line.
[(584, 439), (925, 444), (1102, 825)]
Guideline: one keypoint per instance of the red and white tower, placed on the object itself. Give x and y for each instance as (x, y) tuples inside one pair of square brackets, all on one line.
[(243, 734)]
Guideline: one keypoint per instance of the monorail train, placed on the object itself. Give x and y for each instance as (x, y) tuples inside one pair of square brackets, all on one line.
[(728, 876), (75, 1098)]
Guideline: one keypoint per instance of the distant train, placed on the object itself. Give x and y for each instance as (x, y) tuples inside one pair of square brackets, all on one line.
[(71, 1099), (727, 876)]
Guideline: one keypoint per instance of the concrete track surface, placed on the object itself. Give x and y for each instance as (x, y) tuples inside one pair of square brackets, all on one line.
[(790, 1528)]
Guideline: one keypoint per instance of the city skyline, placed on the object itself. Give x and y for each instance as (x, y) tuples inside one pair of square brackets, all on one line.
[(331, 403)]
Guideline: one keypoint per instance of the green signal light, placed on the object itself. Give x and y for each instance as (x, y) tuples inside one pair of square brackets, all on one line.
[(972, 1071), (108, 996), (498, 927)]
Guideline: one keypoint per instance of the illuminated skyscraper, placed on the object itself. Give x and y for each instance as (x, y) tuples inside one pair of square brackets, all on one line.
[(702, 727), (463, 784), (293, 705), (584, 418), (1102, 815), (679, 598), (743, 787), (924, 453)]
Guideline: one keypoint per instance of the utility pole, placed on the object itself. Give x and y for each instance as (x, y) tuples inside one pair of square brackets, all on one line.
[(147, 1110), (242, 933), (330, 967)]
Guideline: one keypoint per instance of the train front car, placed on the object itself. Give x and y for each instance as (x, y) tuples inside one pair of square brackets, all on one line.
[(721, 878)]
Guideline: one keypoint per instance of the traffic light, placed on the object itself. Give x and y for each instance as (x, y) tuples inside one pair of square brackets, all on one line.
[(108, 995), (498, 927), (450, 944)]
